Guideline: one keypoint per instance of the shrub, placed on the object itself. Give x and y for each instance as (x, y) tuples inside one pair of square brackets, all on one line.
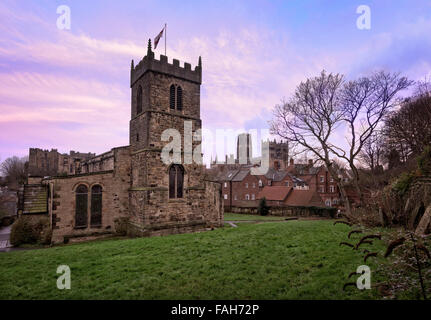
[(263, 209), (402, 184), (31, 231), (424, 161)]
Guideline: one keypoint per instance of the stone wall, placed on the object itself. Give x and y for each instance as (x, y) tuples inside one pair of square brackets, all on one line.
[(115, 204)]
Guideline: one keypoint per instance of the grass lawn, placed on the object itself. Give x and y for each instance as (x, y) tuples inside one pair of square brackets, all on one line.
[(284, 260), (250, 217)]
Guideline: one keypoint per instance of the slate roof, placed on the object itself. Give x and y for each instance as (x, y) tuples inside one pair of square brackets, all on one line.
[(228, 175), (275, 175), (241, 175)]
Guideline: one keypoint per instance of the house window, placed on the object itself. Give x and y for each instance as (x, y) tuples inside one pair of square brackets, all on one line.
[(247, 197), (335, 201), (331, 180), (321, 189), (81, 203), (139, 101), (253, 197), (269, 182), (235, 197), (322, 179), (225, 184), (254, 185), (225, 196), (328, 202), (260, 183), (96, 206), (331, 189), (287, 183), (176, 181), (246, 185)]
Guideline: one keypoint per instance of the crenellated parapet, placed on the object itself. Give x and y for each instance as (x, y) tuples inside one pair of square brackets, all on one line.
[(149, 63)]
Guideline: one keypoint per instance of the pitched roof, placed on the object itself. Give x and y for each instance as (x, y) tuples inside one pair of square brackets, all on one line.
[(241, 175), (304, 198), (274, 193), (227, 176), (275, 175)]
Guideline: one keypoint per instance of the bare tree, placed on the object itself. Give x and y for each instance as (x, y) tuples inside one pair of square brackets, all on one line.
[(15, 170), (320, 105), (308, 120), (408, 129), (372, 152), (365, 104)]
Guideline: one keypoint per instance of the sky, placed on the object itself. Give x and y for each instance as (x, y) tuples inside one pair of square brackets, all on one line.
[(69, 89)]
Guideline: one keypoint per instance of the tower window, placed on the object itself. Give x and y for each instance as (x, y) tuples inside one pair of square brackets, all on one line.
[(139, 101), (172, 97), (176, 181), (179, 98), (175, 97)]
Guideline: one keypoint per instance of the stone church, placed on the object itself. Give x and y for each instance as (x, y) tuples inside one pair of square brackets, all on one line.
[(130, 187)]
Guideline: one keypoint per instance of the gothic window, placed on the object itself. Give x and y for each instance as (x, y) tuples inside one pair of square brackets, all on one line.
[(96, 206), (179, 98), (176, 181), (139, 101), (172, 97), (81, 206), (175, 97)]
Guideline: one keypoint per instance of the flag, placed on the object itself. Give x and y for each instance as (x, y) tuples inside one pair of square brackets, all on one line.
[(157, 39)]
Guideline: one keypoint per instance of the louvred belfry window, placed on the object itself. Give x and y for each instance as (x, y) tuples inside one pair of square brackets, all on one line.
[(179, 98), (172, 97), (96, 206), (81, 206), (176, 181), (139, 101)]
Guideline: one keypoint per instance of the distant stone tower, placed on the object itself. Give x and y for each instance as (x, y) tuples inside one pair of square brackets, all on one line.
[(244, 150), (167, 198)]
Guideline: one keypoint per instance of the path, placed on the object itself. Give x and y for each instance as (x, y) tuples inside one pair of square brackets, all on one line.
[(4, 237)]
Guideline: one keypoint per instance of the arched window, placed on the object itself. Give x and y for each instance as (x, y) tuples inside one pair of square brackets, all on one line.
[(176, 181), (96, 206), (81, 206), (139, 101), (179, 98), (172, 97)]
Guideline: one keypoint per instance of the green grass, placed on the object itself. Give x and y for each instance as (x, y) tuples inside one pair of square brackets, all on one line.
[(250, 217), (286, 260)]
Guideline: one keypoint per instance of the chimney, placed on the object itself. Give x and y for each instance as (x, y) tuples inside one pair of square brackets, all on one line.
[(292, 162)]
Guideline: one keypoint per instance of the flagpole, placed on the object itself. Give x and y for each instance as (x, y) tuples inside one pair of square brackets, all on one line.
[(165, 37)]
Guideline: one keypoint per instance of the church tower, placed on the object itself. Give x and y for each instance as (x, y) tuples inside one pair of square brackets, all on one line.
[(167, 197)]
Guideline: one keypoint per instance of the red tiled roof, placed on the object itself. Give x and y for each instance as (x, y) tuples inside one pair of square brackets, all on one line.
[(274, 193), (304, 198)]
